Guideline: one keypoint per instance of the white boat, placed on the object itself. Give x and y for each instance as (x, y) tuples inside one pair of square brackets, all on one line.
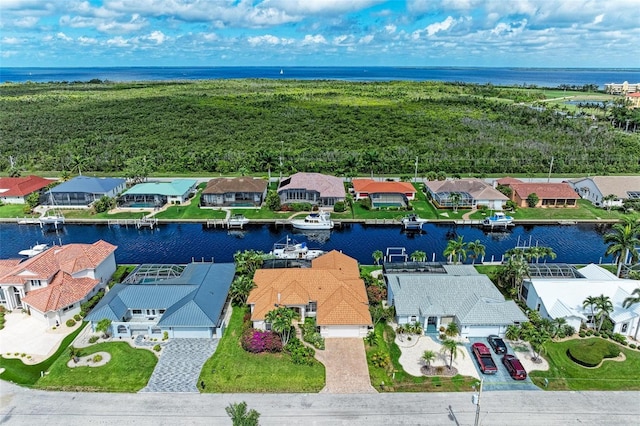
[(237, 221), (314, 221), (291, 249), (37, 249), (413, 221), (498, 219)]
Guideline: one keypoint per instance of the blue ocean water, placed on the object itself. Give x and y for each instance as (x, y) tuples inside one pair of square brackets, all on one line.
[(542, 77)]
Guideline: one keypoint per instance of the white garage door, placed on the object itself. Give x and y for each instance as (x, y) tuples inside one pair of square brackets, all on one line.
[(482, 331), (192, 332), (340, 331)]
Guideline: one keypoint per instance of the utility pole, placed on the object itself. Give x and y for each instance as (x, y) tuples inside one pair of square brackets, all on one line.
[(415, 176), (281, 148), (475, 398), (550, 167)]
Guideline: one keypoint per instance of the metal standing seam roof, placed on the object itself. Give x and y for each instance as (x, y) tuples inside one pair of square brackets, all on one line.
[(88, 184), (178, 187)]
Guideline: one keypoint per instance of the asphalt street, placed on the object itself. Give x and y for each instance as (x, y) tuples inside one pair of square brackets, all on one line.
[(19, 406)]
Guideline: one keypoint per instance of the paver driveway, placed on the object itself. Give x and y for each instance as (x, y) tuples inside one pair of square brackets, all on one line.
[(180, 364), (345, 365)]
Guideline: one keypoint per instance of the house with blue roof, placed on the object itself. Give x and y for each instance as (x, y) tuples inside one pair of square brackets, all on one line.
[(435, 295), (189, 302), (81, 191), (157, 194)]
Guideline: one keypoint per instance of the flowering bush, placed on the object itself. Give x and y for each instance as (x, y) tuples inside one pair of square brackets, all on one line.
[(256, 341)]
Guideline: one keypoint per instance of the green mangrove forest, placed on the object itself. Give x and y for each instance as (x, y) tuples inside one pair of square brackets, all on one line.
[(342, 128)]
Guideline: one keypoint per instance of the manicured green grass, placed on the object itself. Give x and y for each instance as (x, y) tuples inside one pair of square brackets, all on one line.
[(262, 213), (231, 369), (368, 269), (191, 211), (128, 370), (395, 379), (27, 375), (89, 214), (584, 211), (564, 374), (14, 210)]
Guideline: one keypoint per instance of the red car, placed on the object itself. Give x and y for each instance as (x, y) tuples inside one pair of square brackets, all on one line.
[(483, 357), (514, 367)]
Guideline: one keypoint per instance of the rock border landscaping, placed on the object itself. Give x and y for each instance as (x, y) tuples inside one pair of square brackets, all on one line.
[(87, 361)]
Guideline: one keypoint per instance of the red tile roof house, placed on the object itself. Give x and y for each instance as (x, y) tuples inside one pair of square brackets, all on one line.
[(315, 188), (15, 190), (549, 194), (384, 194), (52, 285), (331, 291)]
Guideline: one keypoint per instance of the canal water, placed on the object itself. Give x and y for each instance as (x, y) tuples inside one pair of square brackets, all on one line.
[(182, 243)]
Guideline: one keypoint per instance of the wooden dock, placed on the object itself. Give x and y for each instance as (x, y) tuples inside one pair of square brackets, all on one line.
[(381, 222), (145, 222)]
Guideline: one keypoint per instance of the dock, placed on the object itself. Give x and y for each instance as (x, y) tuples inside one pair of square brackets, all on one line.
[(381, 222), (145, 222)]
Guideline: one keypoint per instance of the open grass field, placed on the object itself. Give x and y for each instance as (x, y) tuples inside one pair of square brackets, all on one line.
[(232, 369), (564, 374)]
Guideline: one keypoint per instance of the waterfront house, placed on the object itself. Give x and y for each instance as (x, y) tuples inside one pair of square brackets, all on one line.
[(314, 188), (52, 285), (157, 194), (633, 99), (622, 88), (15, 190), (549, 194), (81, 191), (384, 194), (234, 192), (473, 193), (596, 188), (435, 294), (559, 291), (186, 301), (331, 291)]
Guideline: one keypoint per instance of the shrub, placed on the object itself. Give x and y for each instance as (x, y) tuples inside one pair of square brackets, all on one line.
[(582, 334), (70, 322), (590, 353), (157, 348), (300, 207), (339, 207), (380, 359), (300, 354), (632, 346), (93, 339), (77, 317), (88, 305), (440, 370), (165, 335), (589, 332), (257, 341), (310, 334), (375, 294), (617, 337), (96, 358)]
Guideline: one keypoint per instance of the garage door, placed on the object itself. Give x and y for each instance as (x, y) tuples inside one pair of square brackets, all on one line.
[(481, 331), (338, 331), (191, 332)]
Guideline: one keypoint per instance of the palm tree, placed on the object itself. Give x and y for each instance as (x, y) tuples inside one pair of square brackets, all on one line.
[(456, 250), (633, 299), (377, 255), (537, 339), (513, 332), (455, 198), (240, 288), (547, 252), (607, 201), (281, 319), (623, 240), (428, 357), (240, 416), (452, 329), (418, 256), (590, 301), (451, 347), (557, 325), (516, 269), (477, 250), (604, 307)]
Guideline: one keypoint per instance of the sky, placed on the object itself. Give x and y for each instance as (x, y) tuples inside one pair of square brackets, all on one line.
[(490, 33)]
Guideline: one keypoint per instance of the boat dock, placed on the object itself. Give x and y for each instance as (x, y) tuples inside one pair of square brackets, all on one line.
[(223, 223), (381, 222), (145, 222)]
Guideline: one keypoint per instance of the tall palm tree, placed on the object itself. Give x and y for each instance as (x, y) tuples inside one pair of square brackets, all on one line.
[(455, 198), (477, 250), (451, 347), (547, 252), (240, 288), (377, 255), (623, 240), (633, 299), (456, 250), (281, 319), (604, 307), (557, 325), (590, 301), (516, 270)]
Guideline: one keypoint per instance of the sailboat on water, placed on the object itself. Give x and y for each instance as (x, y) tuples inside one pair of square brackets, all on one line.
[(281, 71)]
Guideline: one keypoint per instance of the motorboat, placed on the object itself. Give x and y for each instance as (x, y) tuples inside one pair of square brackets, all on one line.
[(413, 221), (314, 221), (33, 251), (498, 219), (237, 221), (291, 249)]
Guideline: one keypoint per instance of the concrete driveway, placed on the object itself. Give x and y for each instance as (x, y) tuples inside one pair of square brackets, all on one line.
[(345, 364), (501, 380)]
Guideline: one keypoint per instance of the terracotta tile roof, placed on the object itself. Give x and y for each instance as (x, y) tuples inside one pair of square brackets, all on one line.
[(325, 185), (545, 190), (340, 293), (21, 186), (241, 184), (70, 258), (62, 291), (633, 95), (373, 187), (508, 180), (8, 265), (478, 189)]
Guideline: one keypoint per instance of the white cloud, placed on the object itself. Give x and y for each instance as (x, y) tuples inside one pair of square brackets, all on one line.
[(11, 40), (390, 28), (598, 19), (509, 29), (157, 36), (118, 41), (135, 23), (87, 40), (268, 39), (26, 22), (322, 7), (366, 39), (314, 39), (63, 36)]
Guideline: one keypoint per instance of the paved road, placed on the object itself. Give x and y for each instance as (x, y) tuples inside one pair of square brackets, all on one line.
[(20, 406)]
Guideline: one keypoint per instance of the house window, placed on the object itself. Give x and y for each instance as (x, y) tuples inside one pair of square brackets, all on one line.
[(624, 328), (311, 307), (413, 318), (524, 292), (161, 311), (538, 307), (137, 312), (122, 329), (156, 331), (267, 326)]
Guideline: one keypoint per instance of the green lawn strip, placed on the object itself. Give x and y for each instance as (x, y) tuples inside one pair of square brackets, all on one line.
[(90, 214), (564, 374), (262, 213), (368, 269), (231, 369), (27, 375), (395, 379), (584, 211), (128, 370), (14, 210)]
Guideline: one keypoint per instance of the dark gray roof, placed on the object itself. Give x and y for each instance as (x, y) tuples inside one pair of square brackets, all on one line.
[(88, 184), (194, 299)]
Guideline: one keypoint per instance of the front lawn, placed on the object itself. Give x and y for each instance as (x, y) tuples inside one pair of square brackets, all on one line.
[(128, 370), (232, 369), (585, 211), (564, 374), (393, 378), (14, 210)]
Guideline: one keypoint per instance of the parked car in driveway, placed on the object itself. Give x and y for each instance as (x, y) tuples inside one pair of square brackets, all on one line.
[(514, 367), (497, 344), (482, 355)]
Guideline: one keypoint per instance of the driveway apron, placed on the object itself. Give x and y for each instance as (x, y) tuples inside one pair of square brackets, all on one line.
[(345, 365), (180, 364)]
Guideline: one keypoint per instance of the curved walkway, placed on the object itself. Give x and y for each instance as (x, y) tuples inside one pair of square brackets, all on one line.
[(180, 364)]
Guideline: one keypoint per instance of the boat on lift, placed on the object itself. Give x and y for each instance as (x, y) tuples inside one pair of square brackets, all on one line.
[(291, 249), (498, 219), (237, 221), (413, 222)]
